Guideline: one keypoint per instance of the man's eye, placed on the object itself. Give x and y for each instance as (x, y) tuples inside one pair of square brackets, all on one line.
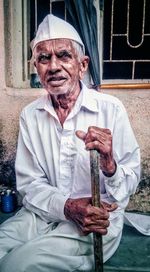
[(64, 54), (43, 58)]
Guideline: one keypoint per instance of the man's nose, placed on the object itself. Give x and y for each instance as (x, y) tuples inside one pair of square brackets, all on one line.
[(54, 64)]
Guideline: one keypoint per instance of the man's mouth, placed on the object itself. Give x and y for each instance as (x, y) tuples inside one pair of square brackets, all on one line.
[(56, 80)]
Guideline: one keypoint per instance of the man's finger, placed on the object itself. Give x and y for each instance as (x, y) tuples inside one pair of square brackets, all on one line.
[(99, 130), (92, 228), (88, 222), (109, 207), (81, 134)]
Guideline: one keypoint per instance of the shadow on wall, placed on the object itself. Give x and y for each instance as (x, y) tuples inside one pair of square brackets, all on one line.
[(140, 202), (8, 139), (7, 169)]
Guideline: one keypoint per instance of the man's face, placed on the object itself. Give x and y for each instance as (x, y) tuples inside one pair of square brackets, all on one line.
[(58, 66)]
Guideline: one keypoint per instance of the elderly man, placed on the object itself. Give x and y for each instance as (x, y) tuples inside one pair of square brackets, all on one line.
[(53, 230)]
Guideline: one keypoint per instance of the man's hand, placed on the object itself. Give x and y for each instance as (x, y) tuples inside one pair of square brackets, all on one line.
[(100, 139), (87, 217)]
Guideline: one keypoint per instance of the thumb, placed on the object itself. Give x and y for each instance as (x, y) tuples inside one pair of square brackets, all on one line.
[(109, 207), (81, 134)]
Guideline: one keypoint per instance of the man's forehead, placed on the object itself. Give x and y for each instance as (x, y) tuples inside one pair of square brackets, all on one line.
[(59, 44)]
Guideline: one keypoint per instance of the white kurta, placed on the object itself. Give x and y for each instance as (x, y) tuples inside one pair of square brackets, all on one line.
[(52, 165)]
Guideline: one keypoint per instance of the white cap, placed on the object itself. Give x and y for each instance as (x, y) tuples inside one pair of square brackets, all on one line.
[(52, 28)]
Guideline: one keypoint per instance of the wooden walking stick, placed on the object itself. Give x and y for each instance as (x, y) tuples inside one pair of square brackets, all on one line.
[(97, 237)]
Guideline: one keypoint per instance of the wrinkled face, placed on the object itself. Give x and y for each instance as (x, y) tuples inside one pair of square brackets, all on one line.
[(59, 67)]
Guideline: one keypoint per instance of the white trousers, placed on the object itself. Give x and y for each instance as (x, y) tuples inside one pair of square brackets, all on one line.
[(28, 244)]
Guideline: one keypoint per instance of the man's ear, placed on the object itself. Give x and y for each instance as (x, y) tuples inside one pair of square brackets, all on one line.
[(83, 66)]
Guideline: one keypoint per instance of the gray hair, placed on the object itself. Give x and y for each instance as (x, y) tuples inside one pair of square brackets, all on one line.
[(77, 47)]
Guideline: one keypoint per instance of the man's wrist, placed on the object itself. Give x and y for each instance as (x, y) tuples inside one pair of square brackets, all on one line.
[(112, 170), (67, 205)]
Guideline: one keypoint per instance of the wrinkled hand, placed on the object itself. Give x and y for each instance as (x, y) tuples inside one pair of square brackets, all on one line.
[(100, 139), (87, 217)]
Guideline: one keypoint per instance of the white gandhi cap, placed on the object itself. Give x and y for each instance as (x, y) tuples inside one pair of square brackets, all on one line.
[(52, 28)]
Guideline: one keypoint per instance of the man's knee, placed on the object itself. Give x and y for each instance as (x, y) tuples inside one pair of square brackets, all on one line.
[(19, 260)]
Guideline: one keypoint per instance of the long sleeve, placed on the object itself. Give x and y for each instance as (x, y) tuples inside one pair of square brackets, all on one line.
[(38, 194), (127, 155)]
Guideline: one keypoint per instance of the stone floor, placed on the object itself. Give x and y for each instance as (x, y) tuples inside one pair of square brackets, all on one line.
[(133, 253)]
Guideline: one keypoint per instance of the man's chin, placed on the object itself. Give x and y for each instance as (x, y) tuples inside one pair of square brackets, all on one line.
[(57, 90)]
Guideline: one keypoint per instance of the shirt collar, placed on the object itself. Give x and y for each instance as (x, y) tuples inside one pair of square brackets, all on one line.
[(89, 100), (86, 99)]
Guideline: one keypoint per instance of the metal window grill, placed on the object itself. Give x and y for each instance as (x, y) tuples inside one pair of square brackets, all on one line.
[(126, 36), (39, 9), (126, 39)]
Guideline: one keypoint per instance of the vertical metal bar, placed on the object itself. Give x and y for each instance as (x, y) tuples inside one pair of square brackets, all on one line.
[(95, 186), (65, 12), (133, 69), (36, 16), (23, 44), (112, 29), (50, 6)]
